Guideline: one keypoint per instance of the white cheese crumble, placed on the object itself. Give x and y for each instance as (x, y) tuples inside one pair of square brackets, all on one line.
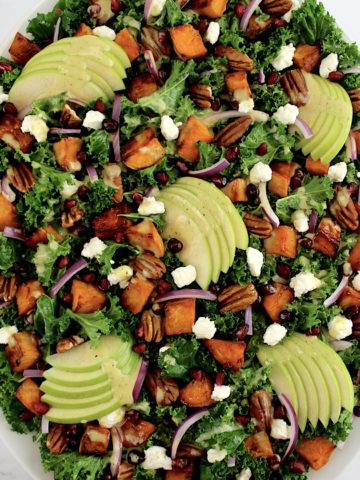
[(104, 32), (285, 57), (356, 281), (337, 172), (4, 97), (155, 458), (94, 120), (36, 126), (260, 172), (220, 392), (340, 327), (69, 189), (168, 128), (216, 455), (279, 429), (112, 418), (184, 275), (212, 33), (304, 282), (300, 221), (296, 4), (260, 117), (347, 269), (287, 114), (121, 276), (93, 248), (274, 334), (204, 328), (168, 359), (6, 333), (151, 206), (255, 260), (245, 474), (246, 106), (329, 64), (157, 7)]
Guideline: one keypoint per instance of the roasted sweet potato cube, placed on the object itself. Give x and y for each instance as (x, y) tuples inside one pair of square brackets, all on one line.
[(142, 151), (307, 57), (12, 135), (209, 8), (236, 190), (41, 236), (86, 297), (83, 30), (22, 351), (29, 394), (136, 294), (283, 242), (275, 303), (141, 86), (259, 445), (197, 393), (111, 223), (229, 353), (354, 258), (286, 169), (279, 185), (316, 451), (238, 85), (187, 42), (136, 432), (257, 27), (327, 237), (192, 132), (349, 298), (145, 236), (65, 151), (95, 440), (356, 135), (27, 295), (128, 43), (315, 167), (8, 214), (22, 49), (176, 473), (179, 316)]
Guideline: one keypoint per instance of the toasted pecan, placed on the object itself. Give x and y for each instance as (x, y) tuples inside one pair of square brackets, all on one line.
[(237, 60), (201, 95), (261, 409), (70, 217), (149, 266), (278, 8), (164, 390), (21, 176), (343, 209), (354, 95), (294, 85), (57, 438), (68, 343), (153, 326), (233, 131), (257, 226), (236, 298), (69, 117), (8, 287)]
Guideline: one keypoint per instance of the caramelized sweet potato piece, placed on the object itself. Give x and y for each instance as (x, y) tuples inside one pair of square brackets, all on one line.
[(238, 85), (112, 177), (22, 49), (65, 151), (82, 30), (257, 27), (209, 8), (316, 451), (315, 167), (191, 132), (128, 43), (27, 295), (145, 236), (327, 237), (307, 57), (142, 151), (197, 393), (136, 432), (111, 224), (283, 242), (12, 135), (229, 353), (136, 294), (86, 297), (22, 351), (95, 440), (185, 473), (141, 86), (259, 445), (275, 303), (349, 298), (179, 316), (41, 236), (236, 190), (29, 394), (354, 258), (187, 42), (8, 214), (282, 172)]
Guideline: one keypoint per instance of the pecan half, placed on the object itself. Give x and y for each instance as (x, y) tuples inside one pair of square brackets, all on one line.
[(236, 298), (261, 409), (126, 471), (8, 287), (276, 7), (164, 390), (57, 439), (327, 237), (70, 217), (148, 266), (69, 118), (354, 95), (356, 328), (201, 95), (257, 225), (21, 176), (237, 60), (68, 343), (187, 450), (294, 85), (232, 132), (153, 326), (343, 209)]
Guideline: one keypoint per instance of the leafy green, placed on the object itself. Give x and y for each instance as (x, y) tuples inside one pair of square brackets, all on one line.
[(172, 15), (92, 324), (45, 257), (212, 72), (7, 79), (210, 153), (351, 356), (336, 432), (9, 252), (46, 108), (122, 320), (46, 321), (98, 199), (97, 147), (268, 98), (177, 360)]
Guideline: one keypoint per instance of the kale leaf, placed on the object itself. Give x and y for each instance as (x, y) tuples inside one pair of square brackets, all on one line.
[(9, 253), (45, 257), (47, 322), (7, 79), (97, 147)]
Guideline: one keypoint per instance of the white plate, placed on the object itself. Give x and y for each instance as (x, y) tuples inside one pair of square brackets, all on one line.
[(345, 463)]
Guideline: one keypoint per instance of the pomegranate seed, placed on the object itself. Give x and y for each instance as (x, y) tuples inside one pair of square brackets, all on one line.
[(279, 412), (297, 467), (116, 6), (274, 462), (352, 311), (161, 177), (215, 289), (283, 270), (182, 167), (139, 348), (63, 261), (104, 284), (100, 106), (306, 243), (219, 378), (242, 332), (356, 411), (235, 105), (252, 191), (139, 331), (70, 204), (335, 76), (174, 245), (89, 277), (243, 419), (83, 192), (196, 374), (202, 25), (219, 180), (137, 198), (239, 10), (232, 153), (5, 67), (273, 78), (110, 125), (284, 316), (297, 179), (82, 157), (108, 476), (40, 408), (313, 332), (267, 289), (94, 10), (67, 298), (163, 286), (162, 36), (26, 416), (119, 237), (262, 149), (215, 105), (10, 108), (180, 462), (279, 22)]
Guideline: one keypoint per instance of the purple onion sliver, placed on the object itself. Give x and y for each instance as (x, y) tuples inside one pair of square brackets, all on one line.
[(216, 117), (261, 76), (116, 111), (184, 427), (6, 190), (76, 101), (355, 69), (210, 171), (44, 425), (15, 233), (353, 147), (248, 13), (249, 320), (294, 425), (312, 221), (337, 293), (115, 139), (140, 379), (65, 131), (30, 318), (5, 304), (57, 30), (151, 65), (33, 373), (147, 8), (93, 176), (304, 128), (231, 462), (73, 270), (186, 293), (116, 456), (24, 111), (358, 197), (265, 204)]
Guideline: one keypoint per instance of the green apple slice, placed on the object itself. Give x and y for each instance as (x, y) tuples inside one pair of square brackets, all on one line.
[(63, 391), (82, 415), (71, 379), (81, 402)]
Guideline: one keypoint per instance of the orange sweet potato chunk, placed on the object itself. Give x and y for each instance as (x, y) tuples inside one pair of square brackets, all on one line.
[(185, 473), (209, 8), (22, 351), (283, 242), (128, 43), (282, 173), (27, 295), (136, 432), (259, 445), (83, 30), (41, 236), (12, 135), (316, 451), (141, 86), (179, 316), (29, 394), (142, 151), (191, 132), (349, 298), (65, 151), (187, 42), (315, 167), (136, 294), (145, 236), (354, 258), (275, 303), (307, 57), (236, 190), (86, 297), (22, 49), (229, 353), (197, 393), (327, 237), (8, 214)]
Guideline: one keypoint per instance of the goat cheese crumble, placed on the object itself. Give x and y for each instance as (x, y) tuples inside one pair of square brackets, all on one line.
[(104, 32), (274, 334), (245, 474), (151, 206), (204, 328), (184, 275), (36, 126), (340, 327), (287, 114), (6, 333), (93, 120), (94, 248), (279, 429), (220, 392), (155, 458), (212, 33), (260, 172), (121, 276), (255, 261), (216, 455), (4, 97), (300, 221), (304, 282), (329, 64), (337, 172), (169, 130), (285, 57)]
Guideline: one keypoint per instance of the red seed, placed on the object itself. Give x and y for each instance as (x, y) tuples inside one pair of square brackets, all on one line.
[(180, 463), (335, 76), (232, 153), (242, 332), (100, 106), (215, 105), (70, 204), (279, 412), (161, 177), (252, 191), (243, 419), (283, 270), (110, 125), (239, 10), (274, 462), (273, 78), (104, 284), (219, 180), (82, 157), (116, 6), (314, 331), (306, 243), (262, 149), (10, 108), (202, 25), (219, 378), (174, 245), (279, 22), (40, 408), (297, 467), (83, 192), (297, 179), (5, 67), (26, 416), (215, 289), (284, 316), (63, 261), (196, 374), (119, 237), (182, 167), (139, 331), (163, 286), (94, 10), (67, 298), (89, 277), (139, 348), (137, 198)]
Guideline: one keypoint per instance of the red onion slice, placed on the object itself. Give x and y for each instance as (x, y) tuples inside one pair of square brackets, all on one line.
[(115, 138), (294, 425), (57, 30), (261, 76), (182, 3), (15, 233), (250, 9), (249, 320), (6, 190), (44, 425), (30, 318), (5, 304), (355, 69), (353, 148), (337, 293), (210, 171), (73, 270), (304, 128), (93, 176), (184, 427), (65, 131), (265, 204), (151, 65), (358, 197), (217, 117), (147, 9), (186, 293), (33, 373), (116, 110), (312, 221), (116, 456), (231, 462), (140, 379)]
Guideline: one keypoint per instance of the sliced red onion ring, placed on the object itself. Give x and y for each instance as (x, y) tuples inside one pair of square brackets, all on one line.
[(151, 65), (334, 297), (304, 128), (33, 373), (355, 69), (182, 3), (6, 190), (15, 233), (65, 131), (116, 113), (269, 212), (73, 270), (261, 76), (231, 462), (353, 148), (340, 345), (250, 9), (294, 425), (24, 111), (44, 425), (116, 110), (186, 293), (140, 379), (210, 171), (216, 117), (184, 427), (57, 30), (116, 456), (30, 318), (93, 176), (147, 9), (312, 221), (249, 320), (5, 304)]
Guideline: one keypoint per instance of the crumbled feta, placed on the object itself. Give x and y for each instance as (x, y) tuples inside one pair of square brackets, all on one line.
[(104, 32), (204, 328), (296, 4), (274, 334), (279, 429), (340, 327), (212, 33), (347, 269), (121, 276), (94, 120), (216, 455), (245, 474), (255, 260), (155, 458), (287, 114), (356, 281), (329, 64), (260, 172), (337, 172), (285, 57), (4, 97), (112, 418), (35, 125), (304, 282), (6, 333), (168, 128), (220, 392), (246, 106), (260, 117), (69, 189), (94, 248), (157, 7), (300, 221), (151, 206), (184, 275)]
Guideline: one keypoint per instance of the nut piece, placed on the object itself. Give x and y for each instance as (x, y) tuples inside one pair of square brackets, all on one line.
[(8, 287), (148, 266), (257, 225), (356, 328), (153, 39), (232, 132), (66, 153), (69, 218), (126, 471), (21, 177), (164, 390), (187, 450), (237, 60), (57, 439), (201, 95), (153, 326), (295, 87), (354, 95), (68, 343), (236, 298), (69, 118), (261, 409), (276, 7), (343, 209), (327, 237)]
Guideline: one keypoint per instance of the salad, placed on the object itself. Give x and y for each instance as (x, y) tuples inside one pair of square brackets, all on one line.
[(179, 246)]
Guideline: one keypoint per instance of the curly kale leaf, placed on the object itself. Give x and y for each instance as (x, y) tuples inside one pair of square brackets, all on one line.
[(97, 146), (45, 257), (177, 360), (48, 322), (9, 253), (7, 79), (172, 15), (268, 98), (98, 199), (92, 324)]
